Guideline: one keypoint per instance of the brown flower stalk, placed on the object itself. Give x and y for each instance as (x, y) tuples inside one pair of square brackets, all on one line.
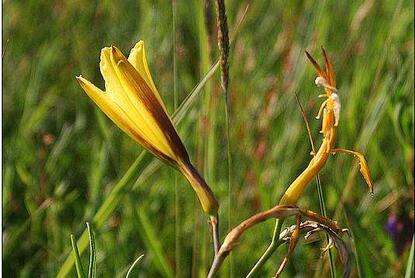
[(279, 212), (223, 43)]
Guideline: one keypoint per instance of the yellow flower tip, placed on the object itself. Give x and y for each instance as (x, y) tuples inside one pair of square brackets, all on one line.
[(111, 55), (116, 52), (139, 46), (81, 80), (85, 84)]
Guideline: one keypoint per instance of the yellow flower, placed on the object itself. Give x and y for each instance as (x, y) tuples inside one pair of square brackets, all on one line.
[(132, 102)]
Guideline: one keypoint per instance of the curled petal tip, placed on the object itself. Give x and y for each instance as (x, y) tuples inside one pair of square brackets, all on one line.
[(117, 54), (316, 66), (120, 62)]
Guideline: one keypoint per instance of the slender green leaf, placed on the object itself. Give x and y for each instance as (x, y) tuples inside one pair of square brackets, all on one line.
[(78, 263), (410, 264), (92, 269), (130, 270)]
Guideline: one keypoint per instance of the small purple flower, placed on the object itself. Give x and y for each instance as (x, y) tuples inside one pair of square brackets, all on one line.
[(392, 226), (399, 227)]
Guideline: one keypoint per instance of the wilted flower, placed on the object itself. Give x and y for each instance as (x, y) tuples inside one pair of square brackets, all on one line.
[(330, 112), (132, 102)]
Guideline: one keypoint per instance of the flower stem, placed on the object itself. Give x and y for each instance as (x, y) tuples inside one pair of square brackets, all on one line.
[(214, 222), (217, 262), (275, 243)]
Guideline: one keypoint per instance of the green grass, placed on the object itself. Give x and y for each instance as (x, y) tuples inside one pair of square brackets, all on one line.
[(65, 163)]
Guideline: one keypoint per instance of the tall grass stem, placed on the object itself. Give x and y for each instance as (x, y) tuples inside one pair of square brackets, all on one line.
[(177, 219), (223, 44)]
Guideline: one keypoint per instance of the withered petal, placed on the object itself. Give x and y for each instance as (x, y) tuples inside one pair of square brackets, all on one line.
[(320, 71), (329, 68)]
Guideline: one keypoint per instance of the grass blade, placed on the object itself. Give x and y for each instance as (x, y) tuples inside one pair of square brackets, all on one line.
[(78, 263), (153, 243), (105, 210), (410, 265), (133, 265), (92, 255)]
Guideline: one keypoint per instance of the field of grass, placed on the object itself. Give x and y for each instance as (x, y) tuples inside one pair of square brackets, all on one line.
[(65, 163)]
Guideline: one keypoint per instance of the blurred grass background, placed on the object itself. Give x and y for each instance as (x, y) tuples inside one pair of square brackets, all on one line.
[(62, 156)]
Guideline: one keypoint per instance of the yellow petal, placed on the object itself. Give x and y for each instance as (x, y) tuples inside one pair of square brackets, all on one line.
[(154, 133), (135, 84), (110, 108), (112, 83), (115, 89), (117, 115), (138, 59), (297, 187), (129, 102)]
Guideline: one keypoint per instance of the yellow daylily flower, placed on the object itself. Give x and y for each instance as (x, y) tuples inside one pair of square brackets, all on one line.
[(132, 102)]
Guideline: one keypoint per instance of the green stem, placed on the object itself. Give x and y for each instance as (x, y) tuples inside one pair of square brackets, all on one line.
[(229, 158), (324, 213), (177, 219), (275, 243), (214, 221)]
